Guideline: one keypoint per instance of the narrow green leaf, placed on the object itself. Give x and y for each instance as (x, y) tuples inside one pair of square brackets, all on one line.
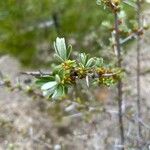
[(90, 63), (42, 80), (57, 78), (58, 58), (60, 48), (69, 50), (49, 85), (58, 92)]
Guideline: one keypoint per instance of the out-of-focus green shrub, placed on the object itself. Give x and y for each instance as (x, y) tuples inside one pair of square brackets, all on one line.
[(26, 24)]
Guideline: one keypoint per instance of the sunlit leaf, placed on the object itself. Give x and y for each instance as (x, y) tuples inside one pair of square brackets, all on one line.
[(60, 48), (49, 85)]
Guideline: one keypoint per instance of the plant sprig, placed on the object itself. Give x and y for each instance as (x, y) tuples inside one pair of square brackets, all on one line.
[(68, 71)]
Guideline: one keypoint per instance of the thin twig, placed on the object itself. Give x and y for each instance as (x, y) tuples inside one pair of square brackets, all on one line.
[(132, 4), (139, 132), (131, 36), (120, 99), (144, 124), (39, 73), (110, 74), (19, 87), (134, 120), (35, 74)]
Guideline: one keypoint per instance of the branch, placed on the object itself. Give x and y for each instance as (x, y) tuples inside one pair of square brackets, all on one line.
[(110, 74), (8, 84), (42, 74), (36, 74), (128, 2), (139, 21), (131, 36), (120, 92)]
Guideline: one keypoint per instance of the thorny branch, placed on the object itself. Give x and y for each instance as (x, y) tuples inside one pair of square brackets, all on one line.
[(139, 132), (120, 99), (41, 74), (36, 74)]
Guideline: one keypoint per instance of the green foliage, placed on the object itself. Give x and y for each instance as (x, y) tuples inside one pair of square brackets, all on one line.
[(62, 53), (20, 24), (68, 71), (22, 32)]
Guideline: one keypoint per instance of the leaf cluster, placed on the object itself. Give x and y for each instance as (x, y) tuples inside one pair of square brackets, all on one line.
[(113, 5), (68, 71)]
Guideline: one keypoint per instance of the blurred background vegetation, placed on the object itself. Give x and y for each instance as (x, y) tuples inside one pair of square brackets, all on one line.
[(29, 27)]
